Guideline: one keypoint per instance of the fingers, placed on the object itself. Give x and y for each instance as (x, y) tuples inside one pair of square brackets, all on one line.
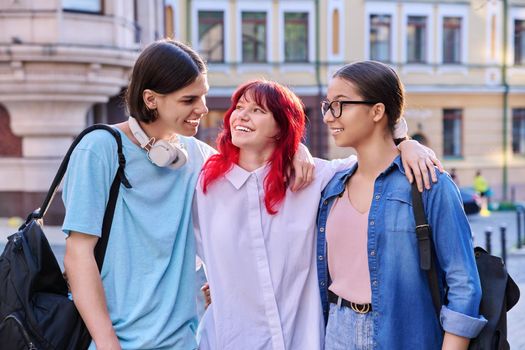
[(408, 171), (437, 163), (417, 176), (308, 175), (205, 289), (424, 172), (298, 179), (432, 169)]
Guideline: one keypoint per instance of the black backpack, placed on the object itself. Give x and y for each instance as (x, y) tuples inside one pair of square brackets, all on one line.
[(35, 311), (499, 291)]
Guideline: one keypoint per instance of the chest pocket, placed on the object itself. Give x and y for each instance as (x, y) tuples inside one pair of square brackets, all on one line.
[(399, 216)]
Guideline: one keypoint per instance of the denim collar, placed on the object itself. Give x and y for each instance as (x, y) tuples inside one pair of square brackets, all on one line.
[(337, 185)]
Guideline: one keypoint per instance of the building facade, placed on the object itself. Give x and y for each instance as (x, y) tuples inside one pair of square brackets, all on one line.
[(462, 62), (64, 64)]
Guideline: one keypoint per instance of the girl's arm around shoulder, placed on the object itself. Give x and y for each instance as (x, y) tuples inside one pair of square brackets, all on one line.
[(452, 239), (326, 169)]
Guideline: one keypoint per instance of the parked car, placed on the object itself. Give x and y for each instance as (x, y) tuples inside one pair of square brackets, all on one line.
[(471, 200)]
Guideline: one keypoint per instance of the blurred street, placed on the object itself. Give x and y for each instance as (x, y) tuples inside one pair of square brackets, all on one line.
[(515, 259)]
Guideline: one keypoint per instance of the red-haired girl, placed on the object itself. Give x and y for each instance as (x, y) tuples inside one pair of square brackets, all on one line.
[(255, 236)]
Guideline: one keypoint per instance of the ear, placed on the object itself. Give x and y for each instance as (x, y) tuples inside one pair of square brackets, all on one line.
[(150, 99), (378, 112)]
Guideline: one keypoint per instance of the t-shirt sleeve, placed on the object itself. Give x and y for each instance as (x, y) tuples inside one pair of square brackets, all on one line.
[(91, 171)]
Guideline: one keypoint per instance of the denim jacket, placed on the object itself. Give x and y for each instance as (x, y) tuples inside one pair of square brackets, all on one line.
[(404, 316)]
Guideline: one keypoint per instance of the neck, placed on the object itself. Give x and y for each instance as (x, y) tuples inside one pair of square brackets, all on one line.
[(251, 160), (157, 130), (375, 154)]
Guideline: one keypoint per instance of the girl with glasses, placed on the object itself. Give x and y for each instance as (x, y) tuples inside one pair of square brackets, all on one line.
[(374, 294)]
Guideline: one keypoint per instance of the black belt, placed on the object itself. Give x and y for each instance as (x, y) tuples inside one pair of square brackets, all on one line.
[(359, 308)]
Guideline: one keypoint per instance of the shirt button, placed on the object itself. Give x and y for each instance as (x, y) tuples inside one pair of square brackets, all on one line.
[(321, 229), (372, 223), (320, 257), (325, 202), (322, 283), (377, 197), (374, 283), (373, 253)]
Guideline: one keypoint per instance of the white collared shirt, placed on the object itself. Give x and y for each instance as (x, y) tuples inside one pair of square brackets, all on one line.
[(261, 267)]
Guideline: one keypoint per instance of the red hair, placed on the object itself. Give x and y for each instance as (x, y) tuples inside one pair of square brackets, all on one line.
[(288, 112)]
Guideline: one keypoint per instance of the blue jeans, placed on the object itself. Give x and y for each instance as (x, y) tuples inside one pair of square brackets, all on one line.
[(349, 330)]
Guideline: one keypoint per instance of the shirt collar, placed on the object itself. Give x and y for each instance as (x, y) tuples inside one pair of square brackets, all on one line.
[(238, 176)]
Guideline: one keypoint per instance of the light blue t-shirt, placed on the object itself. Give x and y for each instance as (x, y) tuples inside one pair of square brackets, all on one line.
[(149, 267)]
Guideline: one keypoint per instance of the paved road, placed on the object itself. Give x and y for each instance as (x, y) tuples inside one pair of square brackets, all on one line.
[(515, 260)]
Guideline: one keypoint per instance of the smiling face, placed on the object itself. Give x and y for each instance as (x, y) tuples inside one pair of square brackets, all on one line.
[(356, 120), (180, 111), (253, 126)]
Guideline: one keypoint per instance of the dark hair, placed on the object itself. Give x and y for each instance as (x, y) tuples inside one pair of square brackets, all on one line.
[(164, 67), (377, 82)]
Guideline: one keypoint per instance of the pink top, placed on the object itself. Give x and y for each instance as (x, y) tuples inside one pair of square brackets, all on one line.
[(346, 237)]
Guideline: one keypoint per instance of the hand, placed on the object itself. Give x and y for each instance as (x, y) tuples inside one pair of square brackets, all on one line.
[(205, 289), (418, 161), (454, 342), (303, 169)]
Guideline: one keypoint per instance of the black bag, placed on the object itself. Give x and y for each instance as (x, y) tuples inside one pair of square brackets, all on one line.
[(499, 291), (35, 311)]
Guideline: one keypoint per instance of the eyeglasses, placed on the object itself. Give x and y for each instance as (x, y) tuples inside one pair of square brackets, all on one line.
[(336, 107)]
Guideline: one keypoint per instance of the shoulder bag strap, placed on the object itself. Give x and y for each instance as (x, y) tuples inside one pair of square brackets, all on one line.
[(120, 177), (424, 240)]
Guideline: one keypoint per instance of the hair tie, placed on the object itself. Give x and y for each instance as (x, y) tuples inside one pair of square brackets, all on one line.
[(400, 129)]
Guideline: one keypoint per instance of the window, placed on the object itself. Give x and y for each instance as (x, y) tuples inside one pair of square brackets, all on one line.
[(254, 36), (519, 41), (416, 39), (451, 39), (380, 37), (518, 131), (335, 32), (452, 132), (211, 35), (169, 25), (296, 37), (94, 6)]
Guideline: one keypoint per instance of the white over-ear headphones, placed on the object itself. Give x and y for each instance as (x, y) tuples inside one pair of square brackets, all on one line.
[(162, 153)]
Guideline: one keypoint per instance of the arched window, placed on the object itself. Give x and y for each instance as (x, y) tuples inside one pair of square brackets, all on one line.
[(10, 144), (335, 32)]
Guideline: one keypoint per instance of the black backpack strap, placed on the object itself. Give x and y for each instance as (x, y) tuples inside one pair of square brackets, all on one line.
[(120, 177), (424, 241)]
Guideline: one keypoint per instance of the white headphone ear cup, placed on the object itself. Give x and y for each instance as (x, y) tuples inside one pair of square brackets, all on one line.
[(182, 155), (161, 153), (164, 154)]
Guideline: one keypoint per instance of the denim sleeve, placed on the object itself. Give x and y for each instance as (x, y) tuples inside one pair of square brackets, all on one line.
[(453, 244)]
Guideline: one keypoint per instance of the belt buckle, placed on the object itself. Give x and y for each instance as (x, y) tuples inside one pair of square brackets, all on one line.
[(339, 301), (364, 310)]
